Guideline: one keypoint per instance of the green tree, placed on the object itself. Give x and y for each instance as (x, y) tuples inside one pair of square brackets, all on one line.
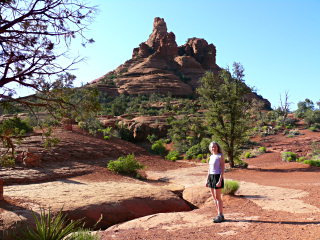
[(224, 96), (303, 107), (35, 36)]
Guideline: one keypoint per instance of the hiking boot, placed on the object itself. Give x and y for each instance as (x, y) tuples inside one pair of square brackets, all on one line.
[(218, 219)]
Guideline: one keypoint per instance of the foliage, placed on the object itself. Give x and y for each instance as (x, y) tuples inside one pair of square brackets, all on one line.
[(106, 132), (312, 117), (173, 155), (33, 34), (315, 163), (247, 155), (303, 107), (240, 163), (91, 124), (49, 141), (14, 126), (125, 165), (51, 227), (228, 118), (262, 149), (230, 187), (124, 133), (288, 156), (193, 151), (84, 235), (7, 161), (11, 131), (158, 147), (293, 133), (186, 132), (315, 148), (152, 138)]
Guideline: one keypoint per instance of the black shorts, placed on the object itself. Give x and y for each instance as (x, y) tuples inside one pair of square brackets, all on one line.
[(213, 180)]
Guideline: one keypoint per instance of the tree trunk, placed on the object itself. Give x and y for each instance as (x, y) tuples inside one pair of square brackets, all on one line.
[(231, 162), (1, 189)]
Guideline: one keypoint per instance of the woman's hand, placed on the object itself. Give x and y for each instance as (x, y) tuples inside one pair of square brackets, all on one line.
[(218, 183)]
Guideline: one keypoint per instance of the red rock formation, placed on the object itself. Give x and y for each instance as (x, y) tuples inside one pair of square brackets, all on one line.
[(160, 66)]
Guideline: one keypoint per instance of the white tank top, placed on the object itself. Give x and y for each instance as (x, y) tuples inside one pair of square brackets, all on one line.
[(214, 164)]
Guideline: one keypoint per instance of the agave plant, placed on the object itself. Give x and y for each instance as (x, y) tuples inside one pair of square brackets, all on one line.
[(52, 227)]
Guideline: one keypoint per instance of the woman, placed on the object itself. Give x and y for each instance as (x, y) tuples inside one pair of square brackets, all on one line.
[(215, 178)]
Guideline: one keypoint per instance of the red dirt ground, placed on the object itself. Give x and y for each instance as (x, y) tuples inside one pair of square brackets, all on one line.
[(266, 169)]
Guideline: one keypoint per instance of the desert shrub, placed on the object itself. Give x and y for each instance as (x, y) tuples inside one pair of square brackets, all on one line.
[(240, 163), (204, 145), (204, 160), (158, 148), (173, 155), (51, 227), (106, 132), (247, 155), (200, 156), (293, 133), (125, 165), (193, 151), (312, 117), (7, 161), (313, 128), (230, 187), (315, 148), (152, 138), (91, 124), (262, 149), (288, 156), (14, 126), (315, 163), (124, 133), (301, 159)]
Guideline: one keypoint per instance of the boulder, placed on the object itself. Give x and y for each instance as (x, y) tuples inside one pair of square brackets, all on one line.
[(115, 201)]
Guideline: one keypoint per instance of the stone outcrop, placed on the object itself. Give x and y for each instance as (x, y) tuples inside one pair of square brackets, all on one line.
[(115, 201), (160, 66)]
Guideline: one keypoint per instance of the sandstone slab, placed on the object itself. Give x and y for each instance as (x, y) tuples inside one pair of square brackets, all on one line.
[(113, 201)]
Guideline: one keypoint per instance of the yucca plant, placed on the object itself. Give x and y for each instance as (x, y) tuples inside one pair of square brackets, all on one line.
[(52, 227)]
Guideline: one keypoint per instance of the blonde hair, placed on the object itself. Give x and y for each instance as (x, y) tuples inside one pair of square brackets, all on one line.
[(219, 148)]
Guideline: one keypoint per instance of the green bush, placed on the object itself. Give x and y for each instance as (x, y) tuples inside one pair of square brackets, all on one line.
[(262, 149), (204, 160), (125, 133), (301, 159), (315, 163), (125, 165), (173, 155), (158, 148), (193, 151), (14, 127), (7, 161), (106, 132), (240, 163), (230, 187), (152, 138), (247, 155), (200, 156), (288, 156), (313, 129)]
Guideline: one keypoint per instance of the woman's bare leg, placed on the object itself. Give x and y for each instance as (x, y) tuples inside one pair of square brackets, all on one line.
[(218, 197), (217, 193), (214, 199)]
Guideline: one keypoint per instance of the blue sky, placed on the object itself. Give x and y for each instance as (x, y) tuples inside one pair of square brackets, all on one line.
[(277, 41)]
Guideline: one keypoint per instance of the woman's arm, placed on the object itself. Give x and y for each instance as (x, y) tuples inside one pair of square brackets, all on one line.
[(222, 166)]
